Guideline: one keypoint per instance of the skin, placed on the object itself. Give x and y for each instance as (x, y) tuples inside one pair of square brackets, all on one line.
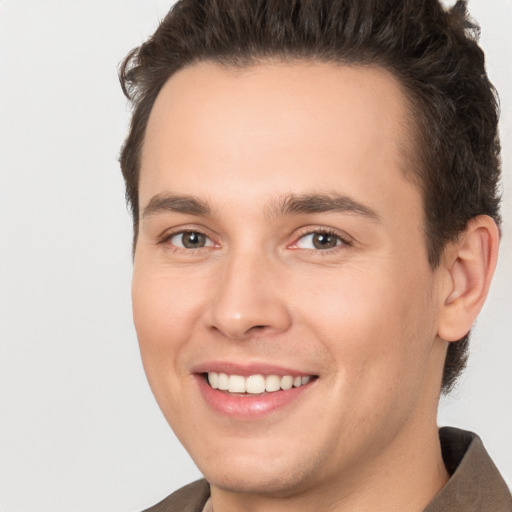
[(365, 316)]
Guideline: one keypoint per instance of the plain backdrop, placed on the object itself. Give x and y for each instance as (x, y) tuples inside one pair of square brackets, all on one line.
[(79, 428)]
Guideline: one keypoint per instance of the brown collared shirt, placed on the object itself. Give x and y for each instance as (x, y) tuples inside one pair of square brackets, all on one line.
[(475, 483)]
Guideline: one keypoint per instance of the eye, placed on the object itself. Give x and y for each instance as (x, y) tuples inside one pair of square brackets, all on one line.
[(190, 240), (320, 240)]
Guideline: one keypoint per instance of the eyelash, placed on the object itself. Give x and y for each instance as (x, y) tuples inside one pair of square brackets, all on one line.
[(166, 238), (345, 241)]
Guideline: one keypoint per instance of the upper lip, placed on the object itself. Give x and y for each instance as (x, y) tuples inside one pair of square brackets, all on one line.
[(248, 369)]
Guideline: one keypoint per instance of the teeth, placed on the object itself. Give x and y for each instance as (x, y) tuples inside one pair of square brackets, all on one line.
[(236, 384), (223, 382), (213, 379), (254, 384), (272, 383), (287, 382)]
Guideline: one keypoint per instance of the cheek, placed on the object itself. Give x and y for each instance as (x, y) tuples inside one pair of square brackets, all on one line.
[(372, 321), (164, 317)]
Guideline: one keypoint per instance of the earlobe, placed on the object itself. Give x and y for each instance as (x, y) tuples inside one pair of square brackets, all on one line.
[(469, 265)]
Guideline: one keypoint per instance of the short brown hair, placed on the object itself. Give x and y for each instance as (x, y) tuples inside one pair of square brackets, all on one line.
[(432, 51)]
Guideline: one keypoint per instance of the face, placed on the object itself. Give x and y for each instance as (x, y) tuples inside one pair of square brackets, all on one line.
[(281, 256)]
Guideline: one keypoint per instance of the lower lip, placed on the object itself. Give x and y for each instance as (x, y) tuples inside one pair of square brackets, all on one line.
[(248, 406)]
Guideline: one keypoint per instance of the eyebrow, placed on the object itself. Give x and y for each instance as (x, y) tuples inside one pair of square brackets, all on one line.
[(176, 204), (320, 203), (290, 204)]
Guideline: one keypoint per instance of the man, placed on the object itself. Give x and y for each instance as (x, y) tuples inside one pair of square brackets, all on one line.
[(314, 191)]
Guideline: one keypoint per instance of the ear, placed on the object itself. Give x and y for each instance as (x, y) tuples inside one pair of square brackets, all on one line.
[(468, 266)]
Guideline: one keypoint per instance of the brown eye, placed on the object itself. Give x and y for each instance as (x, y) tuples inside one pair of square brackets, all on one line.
[(190, 240), (324, 241), (319, 241)]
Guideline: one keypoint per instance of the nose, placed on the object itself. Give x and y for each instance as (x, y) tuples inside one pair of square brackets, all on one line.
[(248, 299)]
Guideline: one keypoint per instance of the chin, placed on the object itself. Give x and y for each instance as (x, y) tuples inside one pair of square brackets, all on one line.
[(260, 471), (262, 481)]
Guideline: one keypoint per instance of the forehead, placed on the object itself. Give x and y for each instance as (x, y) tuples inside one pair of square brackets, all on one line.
[(278, 123)]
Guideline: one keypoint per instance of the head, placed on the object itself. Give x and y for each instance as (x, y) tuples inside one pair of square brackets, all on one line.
[(390, 122), (432, 53)]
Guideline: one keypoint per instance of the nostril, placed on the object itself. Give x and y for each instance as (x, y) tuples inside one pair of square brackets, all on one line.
[(257, 328)]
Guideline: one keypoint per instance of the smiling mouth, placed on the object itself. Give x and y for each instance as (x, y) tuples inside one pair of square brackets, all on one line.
[(255, 384)]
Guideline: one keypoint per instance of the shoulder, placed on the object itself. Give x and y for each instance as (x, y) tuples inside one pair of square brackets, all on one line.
[(475, 484), (190, 498)]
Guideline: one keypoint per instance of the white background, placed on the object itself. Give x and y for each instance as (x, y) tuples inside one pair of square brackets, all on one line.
[(80, 431)]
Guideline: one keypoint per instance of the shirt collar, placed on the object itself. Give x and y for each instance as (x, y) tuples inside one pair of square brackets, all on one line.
[(475, 484)]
